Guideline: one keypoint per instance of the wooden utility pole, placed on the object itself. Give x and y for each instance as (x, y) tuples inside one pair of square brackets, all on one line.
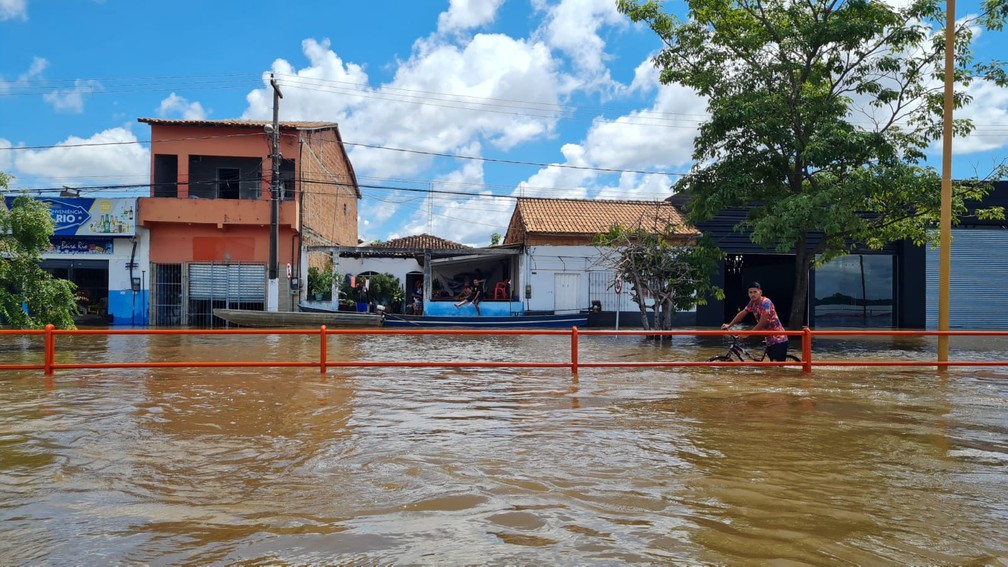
[(273, 288), (945, 237)]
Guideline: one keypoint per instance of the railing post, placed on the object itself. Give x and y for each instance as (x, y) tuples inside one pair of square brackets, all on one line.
[(323, 346), (574, 350), (49, 350), (806, 350)]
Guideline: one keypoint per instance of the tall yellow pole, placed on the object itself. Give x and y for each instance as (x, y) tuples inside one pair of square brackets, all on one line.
[(945, 252)]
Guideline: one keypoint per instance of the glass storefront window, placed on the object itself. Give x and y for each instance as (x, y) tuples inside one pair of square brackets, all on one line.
[(855, 291)]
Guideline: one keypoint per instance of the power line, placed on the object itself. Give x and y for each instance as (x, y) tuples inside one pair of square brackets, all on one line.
[(369, 146), (475, 192), (538, 109), (515, 162)]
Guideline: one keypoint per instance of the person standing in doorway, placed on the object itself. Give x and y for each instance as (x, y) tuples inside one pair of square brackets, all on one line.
[(766, 318), (363, 295), (418, 298)]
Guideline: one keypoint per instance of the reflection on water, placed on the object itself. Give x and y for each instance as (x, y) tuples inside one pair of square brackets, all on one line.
[(436, 466)]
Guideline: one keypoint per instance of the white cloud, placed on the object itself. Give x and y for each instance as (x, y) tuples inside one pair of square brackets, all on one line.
[(110, 157), (467, 14), (452, 216), (34, 72), (447, 96), (572, 27), (325, 90), (13, 9), (72, 100), (656, 139), (989, 112), (176, 105), (638, 187), (6, 156), (560, 182)]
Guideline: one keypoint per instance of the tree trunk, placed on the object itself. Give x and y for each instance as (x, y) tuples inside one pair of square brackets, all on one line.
[(799, 299), (666, 315), (639, 300)]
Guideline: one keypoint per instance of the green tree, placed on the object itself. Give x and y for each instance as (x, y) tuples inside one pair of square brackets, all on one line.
[(25, 230), (674, 273), (820, 113), (320, 280), (495, 239), (386, 290)]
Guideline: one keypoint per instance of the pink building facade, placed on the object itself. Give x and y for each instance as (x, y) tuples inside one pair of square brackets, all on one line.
[(208, 214)]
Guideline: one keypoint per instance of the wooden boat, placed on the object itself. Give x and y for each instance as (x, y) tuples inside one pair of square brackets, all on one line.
[(297, 319), (489, 322)]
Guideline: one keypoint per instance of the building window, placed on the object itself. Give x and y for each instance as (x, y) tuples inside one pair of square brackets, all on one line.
[(228, 182), (287, 180), (855, 291), (165, 175)]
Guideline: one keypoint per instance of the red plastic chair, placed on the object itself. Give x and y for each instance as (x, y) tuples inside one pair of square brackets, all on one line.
[(501, 290)]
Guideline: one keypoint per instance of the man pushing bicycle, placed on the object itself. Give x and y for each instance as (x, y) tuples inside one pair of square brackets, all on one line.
[(766, 318)]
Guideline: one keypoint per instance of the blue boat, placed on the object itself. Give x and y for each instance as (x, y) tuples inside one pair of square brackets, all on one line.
[(488, 322)]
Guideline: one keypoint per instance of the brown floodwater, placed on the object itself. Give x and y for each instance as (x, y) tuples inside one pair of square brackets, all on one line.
[(499, 466)]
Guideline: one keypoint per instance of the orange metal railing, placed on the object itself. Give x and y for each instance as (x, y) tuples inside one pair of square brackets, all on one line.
[(50, 334)]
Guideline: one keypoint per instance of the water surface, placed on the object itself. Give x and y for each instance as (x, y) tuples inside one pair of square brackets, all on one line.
[(513, 466)]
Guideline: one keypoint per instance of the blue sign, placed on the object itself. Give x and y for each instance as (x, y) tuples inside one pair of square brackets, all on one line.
[(81, 245), (68, 216), (81, 216)]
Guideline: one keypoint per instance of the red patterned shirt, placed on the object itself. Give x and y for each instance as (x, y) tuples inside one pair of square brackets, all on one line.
[(760, 306)]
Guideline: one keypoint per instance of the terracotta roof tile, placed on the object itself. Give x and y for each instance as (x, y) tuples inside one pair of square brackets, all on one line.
[(421, 241), (237, 123), (574, 216)]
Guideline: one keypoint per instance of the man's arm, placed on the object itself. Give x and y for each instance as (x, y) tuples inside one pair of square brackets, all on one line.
[(738, 318)]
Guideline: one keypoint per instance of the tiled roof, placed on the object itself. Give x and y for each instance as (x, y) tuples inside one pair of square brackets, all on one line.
[(237, 123), (574, 216), (421, 242)]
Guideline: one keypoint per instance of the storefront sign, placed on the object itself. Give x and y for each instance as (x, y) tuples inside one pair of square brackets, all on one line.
[(62, 245), (81, 216)]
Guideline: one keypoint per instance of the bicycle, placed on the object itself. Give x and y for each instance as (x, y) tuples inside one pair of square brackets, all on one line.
[(738, 353)]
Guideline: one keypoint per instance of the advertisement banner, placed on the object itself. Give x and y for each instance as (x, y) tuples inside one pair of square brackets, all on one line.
[(82, 216), (63, 245)]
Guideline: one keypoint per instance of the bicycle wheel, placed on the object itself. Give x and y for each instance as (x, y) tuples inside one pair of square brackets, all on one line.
[(719, 358)]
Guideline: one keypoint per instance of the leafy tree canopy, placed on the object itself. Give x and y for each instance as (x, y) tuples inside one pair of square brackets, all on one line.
[(820, 114), (30, 297), (674, 273)]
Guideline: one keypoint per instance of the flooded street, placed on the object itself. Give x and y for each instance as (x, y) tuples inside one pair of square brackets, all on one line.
[(497, 466)]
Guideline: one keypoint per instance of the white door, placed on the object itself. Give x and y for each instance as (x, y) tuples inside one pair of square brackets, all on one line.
[(565, 292)]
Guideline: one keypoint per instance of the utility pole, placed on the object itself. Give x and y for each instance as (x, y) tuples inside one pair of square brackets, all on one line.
[(945, 219), (273, 287)]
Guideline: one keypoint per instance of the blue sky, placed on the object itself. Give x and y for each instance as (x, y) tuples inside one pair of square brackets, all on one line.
[(551, 98)]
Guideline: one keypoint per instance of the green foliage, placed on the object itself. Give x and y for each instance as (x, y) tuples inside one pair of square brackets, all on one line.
[(820, 115), (676, 274), (386, 290), (320, 281), (25, 230), (495, 239)]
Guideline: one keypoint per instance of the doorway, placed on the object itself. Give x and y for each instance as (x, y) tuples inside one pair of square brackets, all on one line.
[(91, 278)]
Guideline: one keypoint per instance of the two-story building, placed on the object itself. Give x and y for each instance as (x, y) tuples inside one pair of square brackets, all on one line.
[(209, 213)]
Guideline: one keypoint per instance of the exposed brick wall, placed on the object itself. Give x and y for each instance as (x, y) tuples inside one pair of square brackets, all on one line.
[(329, 191)]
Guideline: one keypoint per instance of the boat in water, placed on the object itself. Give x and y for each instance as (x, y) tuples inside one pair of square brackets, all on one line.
[(487, 322), (298, 319)]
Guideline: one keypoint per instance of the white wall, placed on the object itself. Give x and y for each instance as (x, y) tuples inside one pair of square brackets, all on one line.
[(398, 267), (540, 264)]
